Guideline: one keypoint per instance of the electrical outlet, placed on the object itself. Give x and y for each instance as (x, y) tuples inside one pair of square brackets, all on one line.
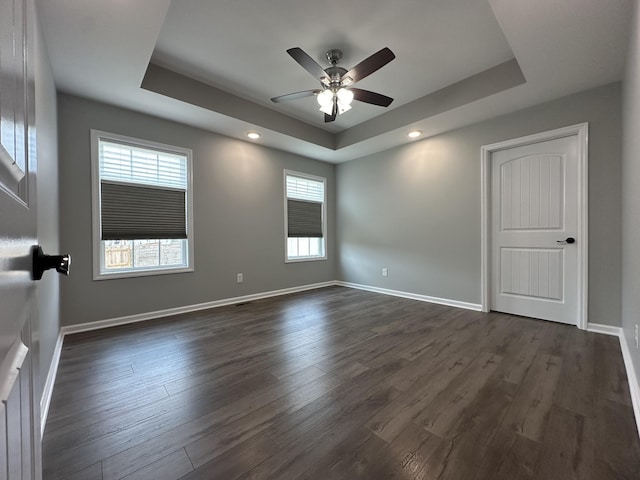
[(385, 272), (637, 346), (239, 278)]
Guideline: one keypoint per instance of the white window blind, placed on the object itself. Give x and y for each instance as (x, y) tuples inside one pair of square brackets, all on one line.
[(305, 197), (143, 192), (127, 163), (305, 189)]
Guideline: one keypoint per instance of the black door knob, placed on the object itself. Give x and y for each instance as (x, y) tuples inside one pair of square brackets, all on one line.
[(42, 262), (569, 240)]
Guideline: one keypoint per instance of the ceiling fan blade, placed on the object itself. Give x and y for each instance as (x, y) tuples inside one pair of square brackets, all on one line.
[(371, 97), (306, 62), (295, 96), (368, 66)]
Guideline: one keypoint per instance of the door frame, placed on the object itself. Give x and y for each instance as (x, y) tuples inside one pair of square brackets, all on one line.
[(581, 131)]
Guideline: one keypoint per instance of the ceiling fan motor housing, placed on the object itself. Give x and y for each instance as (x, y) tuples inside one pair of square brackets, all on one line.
[(335, 74)]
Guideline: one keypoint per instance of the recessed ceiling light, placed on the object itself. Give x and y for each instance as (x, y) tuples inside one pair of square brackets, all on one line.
[(253, 135), (414, 134)]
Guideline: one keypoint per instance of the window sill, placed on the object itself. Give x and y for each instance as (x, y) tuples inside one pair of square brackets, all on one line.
[(304, 259), (142, 273)]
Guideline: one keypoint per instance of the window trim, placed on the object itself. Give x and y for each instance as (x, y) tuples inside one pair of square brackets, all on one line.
[(286, 220), (97, 248)]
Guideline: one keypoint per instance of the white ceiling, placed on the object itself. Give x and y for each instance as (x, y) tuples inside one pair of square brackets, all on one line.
[(217, 63)]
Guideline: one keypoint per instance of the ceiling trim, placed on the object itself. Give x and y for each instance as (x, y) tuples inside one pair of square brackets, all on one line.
[(180, 87), (484, 84), (185, 89)]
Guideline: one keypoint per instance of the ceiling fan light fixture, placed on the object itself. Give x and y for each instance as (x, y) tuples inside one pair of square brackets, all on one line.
[(328, 109), (325, 99), (345, 96), (343, 107)]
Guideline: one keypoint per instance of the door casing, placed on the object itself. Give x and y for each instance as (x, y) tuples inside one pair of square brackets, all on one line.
[(580, 130)]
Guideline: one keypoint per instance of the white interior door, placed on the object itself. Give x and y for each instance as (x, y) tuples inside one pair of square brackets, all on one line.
[(19, 409), (534, 230)]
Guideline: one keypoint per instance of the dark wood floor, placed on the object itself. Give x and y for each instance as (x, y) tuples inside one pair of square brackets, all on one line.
[(339, 383)]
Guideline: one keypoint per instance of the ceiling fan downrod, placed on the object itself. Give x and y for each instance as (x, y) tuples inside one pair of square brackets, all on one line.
[(335, 73)]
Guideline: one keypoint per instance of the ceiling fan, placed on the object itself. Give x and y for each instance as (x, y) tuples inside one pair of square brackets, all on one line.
[(337, 93)]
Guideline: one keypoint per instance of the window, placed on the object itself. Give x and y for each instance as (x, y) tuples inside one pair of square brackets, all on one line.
[(305, 217), (142, 207)]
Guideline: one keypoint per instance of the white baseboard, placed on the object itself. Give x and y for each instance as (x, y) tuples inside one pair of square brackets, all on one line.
[(604, 329), (632, 377), (413, 296), (47, 390)]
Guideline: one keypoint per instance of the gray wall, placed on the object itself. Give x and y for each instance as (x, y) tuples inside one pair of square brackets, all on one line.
[(631, 192), (238, 208), (48, 289), (415, 209)]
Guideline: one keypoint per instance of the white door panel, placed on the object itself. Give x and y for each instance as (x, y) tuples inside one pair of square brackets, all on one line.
[(534, 207), (529, 272), (532, 196), (19, 412)]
